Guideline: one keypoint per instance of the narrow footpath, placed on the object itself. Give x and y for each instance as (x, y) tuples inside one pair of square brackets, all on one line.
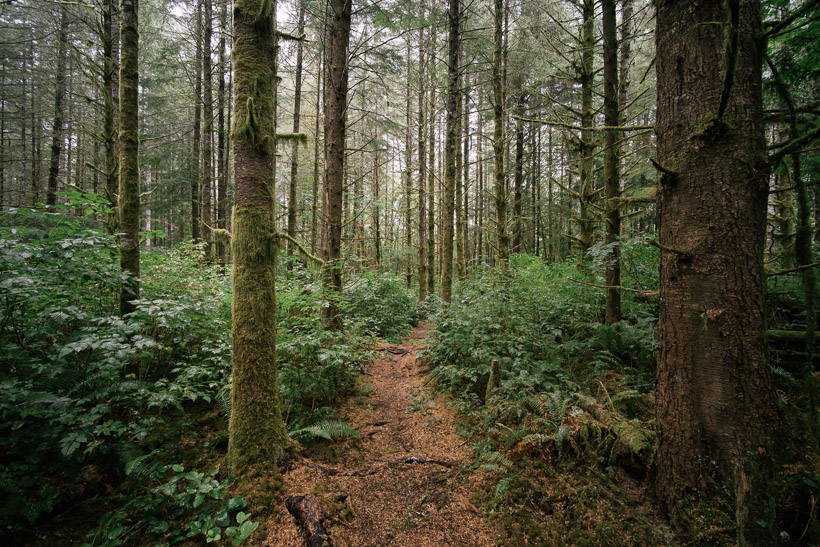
[(404, 483)]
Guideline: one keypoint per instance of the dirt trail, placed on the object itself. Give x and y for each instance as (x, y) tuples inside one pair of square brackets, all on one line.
[(400, 504)]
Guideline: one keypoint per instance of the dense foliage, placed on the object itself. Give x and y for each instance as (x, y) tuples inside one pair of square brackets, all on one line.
[(90, 400)]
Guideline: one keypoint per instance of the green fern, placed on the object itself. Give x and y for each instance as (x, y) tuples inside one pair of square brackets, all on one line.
[(327, 429)]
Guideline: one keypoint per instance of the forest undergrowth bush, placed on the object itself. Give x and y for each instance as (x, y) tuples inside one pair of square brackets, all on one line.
[(574, 400), (85, 393)]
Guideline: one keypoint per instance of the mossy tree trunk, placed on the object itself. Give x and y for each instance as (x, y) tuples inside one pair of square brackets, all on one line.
[(586, 178), (500, 186), (408, 171), (109, 136), (612, 159), (431, 166), (716, 407), (129, 188), (336, 86), (222, 155), (258, 439)]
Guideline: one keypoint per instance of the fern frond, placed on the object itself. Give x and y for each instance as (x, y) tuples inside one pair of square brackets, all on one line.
[(327, 429)]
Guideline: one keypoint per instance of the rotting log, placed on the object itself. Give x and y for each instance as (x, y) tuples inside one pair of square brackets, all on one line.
[(309, 516)]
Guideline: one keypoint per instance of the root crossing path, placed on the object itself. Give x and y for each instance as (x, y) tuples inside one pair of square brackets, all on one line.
[(404, 483)]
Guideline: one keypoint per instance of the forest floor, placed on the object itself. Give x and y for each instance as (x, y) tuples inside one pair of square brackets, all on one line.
[(405, 482)]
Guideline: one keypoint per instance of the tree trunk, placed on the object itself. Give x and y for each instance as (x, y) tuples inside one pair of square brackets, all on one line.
[(195, 199), (297, 107), (716, 410), (222, 156), (518, 181), (500, 186), (335, 120), (314, 216), (207, 129), (59, 96), (431, 169), (453, 99), (463, 257), (109, 130), (408, 173), (586, 182), (258, 439), (129, 190), (422, 143), (612, 159)]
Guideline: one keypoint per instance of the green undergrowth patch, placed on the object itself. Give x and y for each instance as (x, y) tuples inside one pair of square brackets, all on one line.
[(566, 438)]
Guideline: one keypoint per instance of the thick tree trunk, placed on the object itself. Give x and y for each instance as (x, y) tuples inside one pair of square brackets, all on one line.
[(612, 159), (258, 439), (129, 190), (195, 195), (314, 210), (297, 108), (451, 144), (335, 121), (59, 96), (716, 408), (500, 186), (422, 143)]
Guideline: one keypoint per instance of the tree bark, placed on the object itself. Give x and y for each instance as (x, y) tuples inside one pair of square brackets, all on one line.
[(431, 169), (451, 144), (129, 189), (500, 186), (207, 129), (195, 195), (422, 144), (408, 172), (518, 180), (716, 410), (586, 182), (109, 114), (612, 159), (59, 96), (297, 108), (222, 156), (335, 120), (258, 439)]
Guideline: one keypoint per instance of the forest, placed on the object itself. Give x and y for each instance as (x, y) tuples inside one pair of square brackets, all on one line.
[(385, 272)]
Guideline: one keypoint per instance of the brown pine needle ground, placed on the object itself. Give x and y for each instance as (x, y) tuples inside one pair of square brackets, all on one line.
[(405, 482)]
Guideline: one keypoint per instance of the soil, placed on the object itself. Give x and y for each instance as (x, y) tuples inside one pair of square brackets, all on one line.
[(406, 481)]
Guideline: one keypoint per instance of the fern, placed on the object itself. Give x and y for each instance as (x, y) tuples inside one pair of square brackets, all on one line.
[(327, 429)]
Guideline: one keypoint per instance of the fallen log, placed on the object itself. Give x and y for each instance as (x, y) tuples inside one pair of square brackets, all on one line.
[(309, 515)]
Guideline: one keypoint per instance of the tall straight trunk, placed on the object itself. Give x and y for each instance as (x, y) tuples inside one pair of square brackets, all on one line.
[(297, 108), (377, 237), (3, 134), (450, 148), (431, 171), (625, 53), (612, 159), (129, 189), (550, 198), (207, 129), (24, 187), (196, 219), (408, 172), (499, 176), (586, 182), (222, 156), (109, 130), (463, 257), (148, 218), (314, 209), (335, 122), (716, 407), (518, 182), (480, 193), (257, 436), (36, 129), (59, 96), (422, 144)]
